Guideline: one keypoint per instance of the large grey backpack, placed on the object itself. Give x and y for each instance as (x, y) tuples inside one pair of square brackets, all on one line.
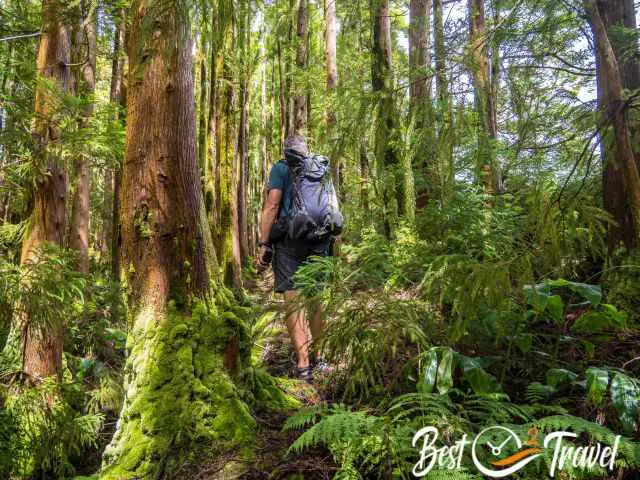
[(314, 214)]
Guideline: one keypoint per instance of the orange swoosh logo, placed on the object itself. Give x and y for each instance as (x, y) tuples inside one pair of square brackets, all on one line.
[(516, 457)]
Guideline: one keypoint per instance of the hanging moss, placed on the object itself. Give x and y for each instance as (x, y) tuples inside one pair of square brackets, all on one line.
[(178, 394)]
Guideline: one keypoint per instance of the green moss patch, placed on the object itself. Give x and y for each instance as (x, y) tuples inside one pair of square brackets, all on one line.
[(178, 394)]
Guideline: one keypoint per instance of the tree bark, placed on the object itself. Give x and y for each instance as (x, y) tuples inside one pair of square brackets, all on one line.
[(85, 86), (177, 393), (300, 98), (41, 346), (425, 158), (486, 168), (445, 125), (419, 54), (621, 14), (621, 181), (242, 153), (202, 105), (227, 241), (393, 195), (117, 97), (331, 66)]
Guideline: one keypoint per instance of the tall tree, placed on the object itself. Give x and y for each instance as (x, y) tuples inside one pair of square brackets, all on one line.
[(420, 77), (226, 179), (175, 387), (117, 97), (242, 151), (331, 66), (445, 130), (300, 106), (42, 344), (621, 182), (477, 58), (393, 195), (85, 86)]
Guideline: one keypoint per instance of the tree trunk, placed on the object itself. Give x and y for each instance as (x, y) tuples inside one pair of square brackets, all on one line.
[(202, 105), (445, 125), (419, 55), (390, 176), (117, 97), (41, 346), (622, 14), (486, 168), (85, 86), (243, 131), (210, 189), (300, 98), (282, 91), (424, 151), (227, 241), (331, 65), (177, 394), (621, 182)]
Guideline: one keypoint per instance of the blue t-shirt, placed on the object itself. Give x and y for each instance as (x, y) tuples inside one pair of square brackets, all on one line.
[(280, 179)]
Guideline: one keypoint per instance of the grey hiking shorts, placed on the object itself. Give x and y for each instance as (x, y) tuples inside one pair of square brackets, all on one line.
[(289, 255)]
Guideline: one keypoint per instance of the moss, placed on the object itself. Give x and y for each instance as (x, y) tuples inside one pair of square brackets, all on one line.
[(142, 223), (179, 395), (265, 392)]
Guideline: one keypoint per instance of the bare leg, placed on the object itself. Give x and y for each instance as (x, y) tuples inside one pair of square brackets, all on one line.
[(316, 323), (296, 327)]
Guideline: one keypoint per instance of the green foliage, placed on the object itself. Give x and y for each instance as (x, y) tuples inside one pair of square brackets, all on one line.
[(45, 430)]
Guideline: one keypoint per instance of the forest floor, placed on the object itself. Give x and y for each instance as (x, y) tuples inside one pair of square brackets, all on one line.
[(271, 458)]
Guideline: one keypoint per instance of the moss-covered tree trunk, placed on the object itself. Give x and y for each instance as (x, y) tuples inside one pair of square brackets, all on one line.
[(424, 154), (331, 67), (227, 240), (85, 53), (177, 392), (300, 107), (477, 59), (388, 169), (242, 154), (109, 220), (41, 345), (444, 107)]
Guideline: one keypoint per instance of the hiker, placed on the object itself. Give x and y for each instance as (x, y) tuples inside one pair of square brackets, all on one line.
[(300, 218)]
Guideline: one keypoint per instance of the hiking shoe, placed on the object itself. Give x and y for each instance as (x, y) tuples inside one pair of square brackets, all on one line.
[(306, 374)]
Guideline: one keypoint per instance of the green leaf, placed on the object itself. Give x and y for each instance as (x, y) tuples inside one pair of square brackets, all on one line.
[(559, 376), (609, 318), (536, 296), (624, 396), (555, 306), (428, 380), (524, 342), (445, 370), (597, 382), (480, 380), (592, 293)]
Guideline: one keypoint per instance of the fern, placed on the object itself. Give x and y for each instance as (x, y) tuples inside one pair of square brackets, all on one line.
[(628, 450), (304, 417), (537, 392), (340, 426)]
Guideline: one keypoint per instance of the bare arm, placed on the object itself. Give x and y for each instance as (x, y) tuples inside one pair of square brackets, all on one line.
[(269, 213)]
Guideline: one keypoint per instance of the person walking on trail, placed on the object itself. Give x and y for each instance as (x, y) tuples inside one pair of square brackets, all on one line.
[(300, 219)]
